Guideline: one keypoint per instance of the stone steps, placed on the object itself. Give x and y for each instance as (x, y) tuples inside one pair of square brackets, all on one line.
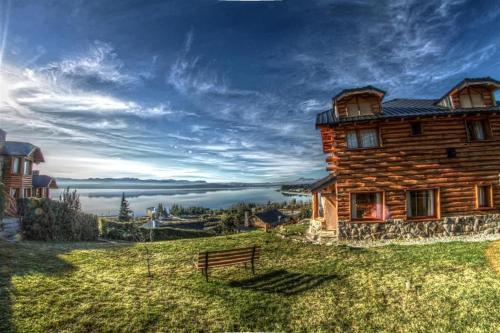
[(10, 227)]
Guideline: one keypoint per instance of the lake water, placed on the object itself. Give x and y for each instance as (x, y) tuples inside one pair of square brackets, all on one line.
[(107, 201)]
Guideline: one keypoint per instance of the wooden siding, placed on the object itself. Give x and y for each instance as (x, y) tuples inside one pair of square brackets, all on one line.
[(406, 162), (372, 99)]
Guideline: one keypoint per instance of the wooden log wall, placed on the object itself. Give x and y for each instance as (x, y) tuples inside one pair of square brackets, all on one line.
[(416, 162)]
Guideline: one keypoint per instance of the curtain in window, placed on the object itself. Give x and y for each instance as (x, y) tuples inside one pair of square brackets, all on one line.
[(354, 208), (481, 196), (352, 110), (369, 137), (465, 101), (477, 100), (15, 165), (352, 140), (478, 130), (420, 203), (365, 108)]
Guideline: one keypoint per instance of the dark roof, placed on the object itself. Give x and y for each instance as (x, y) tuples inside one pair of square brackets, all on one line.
[(468, 81), (14, 148), (323, 183), (271, 216), (348, 91), (400, 108), (44, 181)]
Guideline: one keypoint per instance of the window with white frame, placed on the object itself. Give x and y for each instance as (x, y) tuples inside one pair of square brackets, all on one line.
[(362, 138)]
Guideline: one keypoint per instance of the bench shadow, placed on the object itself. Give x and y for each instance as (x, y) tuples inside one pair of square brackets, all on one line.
[(283, 282)]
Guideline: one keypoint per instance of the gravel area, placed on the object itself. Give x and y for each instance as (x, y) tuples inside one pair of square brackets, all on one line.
[(423, 241)]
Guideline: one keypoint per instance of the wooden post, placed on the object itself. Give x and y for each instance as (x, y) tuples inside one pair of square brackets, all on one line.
[(206, 266), (315, 207), (253, 259)]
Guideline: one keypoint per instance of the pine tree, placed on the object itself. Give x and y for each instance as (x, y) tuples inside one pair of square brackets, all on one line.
[(125, 211)]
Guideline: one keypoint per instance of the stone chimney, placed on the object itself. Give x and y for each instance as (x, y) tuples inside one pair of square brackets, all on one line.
[(3, 135)]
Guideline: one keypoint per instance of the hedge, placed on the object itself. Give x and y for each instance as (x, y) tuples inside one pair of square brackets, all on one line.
[(130, 231), (46, 219)]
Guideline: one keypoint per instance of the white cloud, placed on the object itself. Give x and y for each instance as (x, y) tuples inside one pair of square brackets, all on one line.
[(100, 62)]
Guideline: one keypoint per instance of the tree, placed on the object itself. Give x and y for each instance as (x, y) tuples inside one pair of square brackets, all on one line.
[(228, 223), (161, 211), (3, 200), (70, 199), (125, 211)]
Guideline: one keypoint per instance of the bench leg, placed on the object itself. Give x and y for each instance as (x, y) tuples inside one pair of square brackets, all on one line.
[(206, 274), (253, 268)]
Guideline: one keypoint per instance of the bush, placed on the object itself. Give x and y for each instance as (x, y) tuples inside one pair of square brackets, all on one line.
[(45, 219), (131, 231)]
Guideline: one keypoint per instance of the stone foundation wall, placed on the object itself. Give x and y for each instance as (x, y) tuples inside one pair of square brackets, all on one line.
[(399, 229)]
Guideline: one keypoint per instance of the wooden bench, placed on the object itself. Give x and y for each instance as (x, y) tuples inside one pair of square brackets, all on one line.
[(210, 259)]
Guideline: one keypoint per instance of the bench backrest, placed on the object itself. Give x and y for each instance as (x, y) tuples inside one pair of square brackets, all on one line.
[(227, 257)]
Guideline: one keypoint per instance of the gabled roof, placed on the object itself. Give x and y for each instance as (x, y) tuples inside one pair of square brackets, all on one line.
[(14, 148), (323, 183), (271, 216), (367, 89), (44, 181), (471, 81)]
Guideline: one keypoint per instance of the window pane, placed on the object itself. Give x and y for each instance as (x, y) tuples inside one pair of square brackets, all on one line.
[(366, 206), (477, 101), (365, 108), (26, 168), (15, 165), (352, 110), (421, 203), (369, 137), (465, 101), (352, 139), (416, 128), (477, 130), (484, 198)]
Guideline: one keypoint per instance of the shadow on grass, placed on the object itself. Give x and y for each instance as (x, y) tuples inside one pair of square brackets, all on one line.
[(283, 282), (19, 259)]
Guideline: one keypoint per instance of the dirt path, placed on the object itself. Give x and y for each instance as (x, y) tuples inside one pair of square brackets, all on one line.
[(493, 255)]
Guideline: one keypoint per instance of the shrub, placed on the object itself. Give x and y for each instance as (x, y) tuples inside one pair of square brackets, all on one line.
[(45, 219)]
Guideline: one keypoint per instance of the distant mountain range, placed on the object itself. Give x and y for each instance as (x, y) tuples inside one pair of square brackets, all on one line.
[(130, 183)]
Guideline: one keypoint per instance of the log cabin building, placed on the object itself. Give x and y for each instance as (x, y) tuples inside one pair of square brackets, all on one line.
[(17, 162), (409, 167)]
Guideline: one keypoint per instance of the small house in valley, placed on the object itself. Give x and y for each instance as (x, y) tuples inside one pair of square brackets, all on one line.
[(269, 219), (409, 167), (17, 171)]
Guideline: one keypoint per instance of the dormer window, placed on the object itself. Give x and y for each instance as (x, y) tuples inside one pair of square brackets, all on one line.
[(471, 99), (471, 93), (365, 101)]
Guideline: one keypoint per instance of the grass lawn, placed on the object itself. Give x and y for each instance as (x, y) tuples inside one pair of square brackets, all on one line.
[(75, 287)]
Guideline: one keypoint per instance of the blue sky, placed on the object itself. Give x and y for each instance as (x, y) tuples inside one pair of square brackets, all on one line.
[(219, 90)]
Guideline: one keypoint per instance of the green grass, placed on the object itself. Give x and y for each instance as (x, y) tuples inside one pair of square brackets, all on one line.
[(75, 287)]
